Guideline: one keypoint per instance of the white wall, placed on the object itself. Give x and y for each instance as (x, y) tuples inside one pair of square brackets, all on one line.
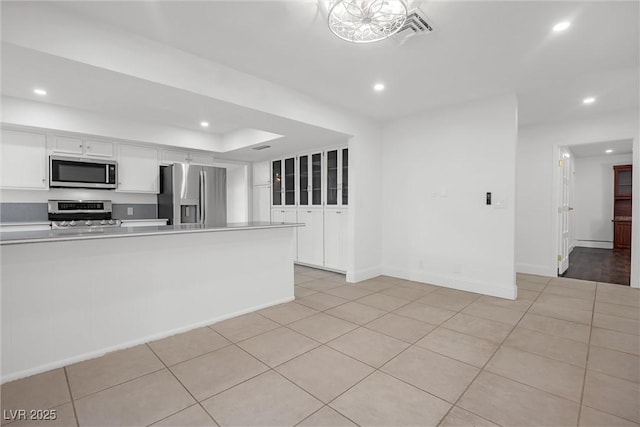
[(436, 170), (536, 237), (593, 199)]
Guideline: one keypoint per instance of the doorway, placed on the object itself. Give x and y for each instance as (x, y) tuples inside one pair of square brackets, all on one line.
[(587, 209)]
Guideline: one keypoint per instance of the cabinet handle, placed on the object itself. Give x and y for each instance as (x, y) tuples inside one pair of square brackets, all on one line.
[(307, 211), (338, 212), (43, 179)]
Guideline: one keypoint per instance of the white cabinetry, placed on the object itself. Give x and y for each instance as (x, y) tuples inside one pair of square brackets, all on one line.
[(138, 169), (23, 160), (286, 215), (335, 239), (311, 236), (283, 177), (62, 145), (173, 156), (337, 176), (261, 203), (261, 173)]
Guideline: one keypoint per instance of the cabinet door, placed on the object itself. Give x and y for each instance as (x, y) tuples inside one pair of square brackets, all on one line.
[(622, 180), (277, 215), (276, 187), (310, 237), (316, 179), (138, 169), (332, 178), (65, 145), (201, 159), (290, 181), (23, 160), (261, 173), (344, 177), (170, 156), (261, 205), (335, 229), (303, 172), (98, 149)]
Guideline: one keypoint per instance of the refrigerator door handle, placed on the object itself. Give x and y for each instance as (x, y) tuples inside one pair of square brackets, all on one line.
[(201, 199), (204, 197)]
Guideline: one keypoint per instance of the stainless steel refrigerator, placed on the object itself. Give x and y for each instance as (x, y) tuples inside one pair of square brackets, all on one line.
[(192, 194)]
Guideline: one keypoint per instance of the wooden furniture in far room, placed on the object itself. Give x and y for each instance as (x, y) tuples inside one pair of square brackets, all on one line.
[(622, 206)]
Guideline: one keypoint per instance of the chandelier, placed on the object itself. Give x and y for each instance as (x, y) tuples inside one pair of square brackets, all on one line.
[(365, 21)]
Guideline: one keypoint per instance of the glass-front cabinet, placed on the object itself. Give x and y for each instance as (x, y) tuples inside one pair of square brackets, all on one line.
[(310, 176), (337, 176), (283, 177)]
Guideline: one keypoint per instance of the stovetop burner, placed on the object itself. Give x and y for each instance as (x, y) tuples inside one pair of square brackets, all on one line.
[(81, 214)]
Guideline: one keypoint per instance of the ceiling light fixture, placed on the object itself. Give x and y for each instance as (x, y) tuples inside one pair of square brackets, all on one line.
[(378, 87), (608, 151), (561, 26), (589, 100), (204, 124), (41, 92), (366, 21)]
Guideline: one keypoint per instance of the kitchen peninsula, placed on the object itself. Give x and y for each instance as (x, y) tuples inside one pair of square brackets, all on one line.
[(71, 296)]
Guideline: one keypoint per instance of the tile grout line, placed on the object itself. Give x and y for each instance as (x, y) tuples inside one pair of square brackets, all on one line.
[(73, 403), (586, 365), (183, 386), (482, 369)]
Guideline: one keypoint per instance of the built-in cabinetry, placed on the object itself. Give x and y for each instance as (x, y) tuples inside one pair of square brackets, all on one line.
[(23, 160), (622, 179), (138, 169), (261, 191), (64, 145), (312, 188), (169, 157)]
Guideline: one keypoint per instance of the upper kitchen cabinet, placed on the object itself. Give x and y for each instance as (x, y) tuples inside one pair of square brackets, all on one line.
[(310, 180), (261, 173), (337, 177), (23, 160), (138, 169), (283, 172), (196, 158), (66, 146)]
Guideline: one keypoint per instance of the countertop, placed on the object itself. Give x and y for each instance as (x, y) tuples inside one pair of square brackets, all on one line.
[(22, 237)]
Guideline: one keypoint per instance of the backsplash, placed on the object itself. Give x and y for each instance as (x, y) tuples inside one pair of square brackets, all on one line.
[(31, 212)]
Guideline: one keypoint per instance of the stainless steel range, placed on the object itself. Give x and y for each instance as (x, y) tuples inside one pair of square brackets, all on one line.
[(81, 214)]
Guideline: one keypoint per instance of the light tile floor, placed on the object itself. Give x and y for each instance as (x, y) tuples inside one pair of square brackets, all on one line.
[(381, 352)]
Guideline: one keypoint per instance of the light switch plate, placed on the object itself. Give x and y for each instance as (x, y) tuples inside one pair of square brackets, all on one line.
[(129, 211)]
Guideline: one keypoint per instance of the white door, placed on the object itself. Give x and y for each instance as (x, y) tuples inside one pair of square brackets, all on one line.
[(311, 236), (564, 211), (261, 203), (23, 160), (335, 229), (138, 169), (98, 149)]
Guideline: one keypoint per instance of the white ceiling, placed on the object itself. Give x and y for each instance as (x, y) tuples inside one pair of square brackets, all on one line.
[(479, 48), (597, 149)]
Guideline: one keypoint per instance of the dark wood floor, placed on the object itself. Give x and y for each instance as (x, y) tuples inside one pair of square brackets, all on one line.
[(600, 265)]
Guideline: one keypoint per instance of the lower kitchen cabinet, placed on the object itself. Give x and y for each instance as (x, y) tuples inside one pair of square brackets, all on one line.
[(138, 169), (335, 239), (23, 163), (287, 215), (310, 237)]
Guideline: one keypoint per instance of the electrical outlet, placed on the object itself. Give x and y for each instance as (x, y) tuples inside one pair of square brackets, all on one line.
[(129, 211)]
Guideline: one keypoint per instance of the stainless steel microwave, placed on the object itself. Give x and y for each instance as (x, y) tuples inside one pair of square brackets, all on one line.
[(82, 173)]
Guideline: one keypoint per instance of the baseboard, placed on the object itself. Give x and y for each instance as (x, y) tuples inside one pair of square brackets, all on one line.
[(93, 354), (594, 244), (360, 275), (509, 291), (538, 270)]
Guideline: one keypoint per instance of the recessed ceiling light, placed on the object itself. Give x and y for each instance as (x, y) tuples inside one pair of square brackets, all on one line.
[(589, 100), (378, 87), (561, 26), (608, 151), (204, 124), (40, 92)]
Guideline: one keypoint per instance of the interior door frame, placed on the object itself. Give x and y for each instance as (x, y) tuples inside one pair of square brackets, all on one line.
[(635, 225), (564, 218)]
